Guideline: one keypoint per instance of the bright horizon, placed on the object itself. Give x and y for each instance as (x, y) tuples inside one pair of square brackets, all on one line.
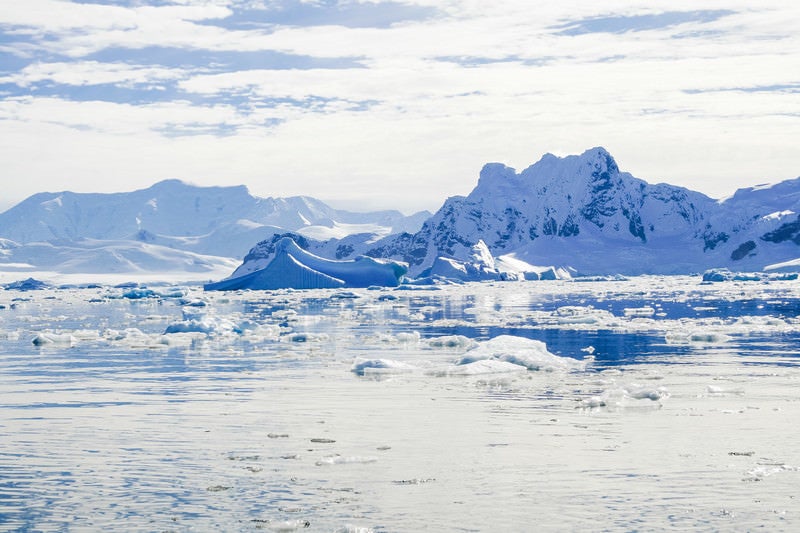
[(371, 104)]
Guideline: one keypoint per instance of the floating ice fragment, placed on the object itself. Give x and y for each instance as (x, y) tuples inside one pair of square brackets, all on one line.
[(207, 325), (719, 391), (639, 392), (639, 311), (61, 339), (483, 366), (696, 337), (138, 294), (414, 481), (408, 337), (290, 525), (531, 354), (341, 459), (364, 367), (354, 529), (574, 314), (451, 341), (765, 470), (305, 337), (619, 397)]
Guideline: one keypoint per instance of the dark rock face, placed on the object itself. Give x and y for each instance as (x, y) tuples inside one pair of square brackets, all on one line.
[(743, 250), (786, 232)]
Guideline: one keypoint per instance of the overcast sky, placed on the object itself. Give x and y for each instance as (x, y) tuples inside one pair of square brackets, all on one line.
[(392, 104)]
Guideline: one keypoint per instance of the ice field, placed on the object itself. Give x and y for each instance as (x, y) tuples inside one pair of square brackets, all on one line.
[(642, 404)]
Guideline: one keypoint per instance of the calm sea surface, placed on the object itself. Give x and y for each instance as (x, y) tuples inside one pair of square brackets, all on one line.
[(170, 409)]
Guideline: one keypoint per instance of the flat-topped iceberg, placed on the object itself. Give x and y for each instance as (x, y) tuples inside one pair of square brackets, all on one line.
[(295, 268)]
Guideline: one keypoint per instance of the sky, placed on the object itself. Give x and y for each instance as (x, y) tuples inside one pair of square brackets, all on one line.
[(373, 104)]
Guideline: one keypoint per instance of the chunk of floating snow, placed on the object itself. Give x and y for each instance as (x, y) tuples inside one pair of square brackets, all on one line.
[(289, 525), (341, 459), (573, 314), (618, 397), (638, 392), (451, 341), (138, 294), (293, 267), (305, 337), (529, 353), (699, 337), (715, 390), (364, 367), (206, 325), (484, 366), (407, 337), (639, 311), (62, 339)]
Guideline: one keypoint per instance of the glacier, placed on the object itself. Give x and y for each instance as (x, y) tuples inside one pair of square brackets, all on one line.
[(293, 267)]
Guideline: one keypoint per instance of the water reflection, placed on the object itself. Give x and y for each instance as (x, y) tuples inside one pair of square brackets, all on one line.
[(269, 429)]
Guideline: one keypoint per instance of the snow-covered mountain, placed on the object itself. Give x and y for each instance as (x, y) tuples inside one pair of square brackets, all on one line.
[(170, 225), (222, 221), (582, 212), (583, 215)]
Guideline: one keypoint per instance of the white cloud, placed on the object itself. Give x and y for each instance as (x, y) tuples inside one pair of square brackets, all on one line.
[(79, 73), (436, 98)]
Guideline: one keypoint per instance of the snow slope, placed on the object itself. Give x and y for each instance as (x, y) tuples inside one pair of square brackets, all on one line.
[(582, 213), (169, 227), (222, 221), (293, 267)]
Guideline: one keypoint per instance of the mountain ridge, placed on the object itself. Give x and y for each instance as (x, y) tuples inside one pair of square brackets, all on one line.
[(222, 221), (582, 212)]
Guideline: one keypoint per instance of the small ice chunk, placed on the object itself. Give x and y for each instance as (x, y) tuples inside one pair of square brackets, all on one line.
[(484, 366), (696, 337), (290, 525), (138, 294), (342, 459), (364, 367), (530, 353), (451, 341), (61, 339), (207, 325), (639, 311)]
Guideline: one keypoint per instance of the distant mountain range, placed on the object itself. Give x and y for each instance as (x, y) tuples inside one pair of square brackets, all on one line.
[(577, 214), (170, 225), (582, 214)]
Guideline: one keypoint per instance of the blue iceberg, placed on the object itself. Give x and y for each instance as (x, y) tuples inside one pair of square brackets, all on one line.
[(295, 268)]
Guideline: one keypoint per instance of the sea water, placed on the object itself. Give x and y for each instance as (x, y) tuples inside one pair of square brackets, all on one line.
[(649, 403)]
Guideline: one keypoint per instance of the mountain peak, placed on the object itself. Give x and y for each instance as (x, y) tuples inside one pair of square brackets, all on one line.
[(601, 159)]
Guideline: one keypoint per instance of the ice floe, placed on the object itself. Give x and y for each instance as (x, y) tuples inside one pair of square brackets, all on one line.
[(521, 351), (366, 367)]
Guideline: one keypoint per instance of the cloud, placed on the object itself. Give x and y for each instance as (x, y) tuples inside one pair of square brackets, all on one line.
[(91, 73), (637, 23), (383, 100)]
